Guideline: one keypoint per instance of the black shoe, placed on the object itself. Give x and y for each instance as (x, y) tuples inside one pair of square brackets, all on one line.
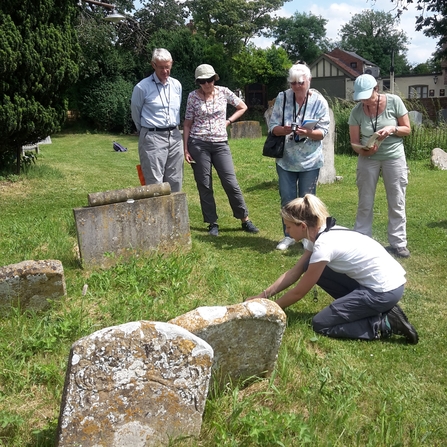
[(249, 227), (213, 229), (401, 326)]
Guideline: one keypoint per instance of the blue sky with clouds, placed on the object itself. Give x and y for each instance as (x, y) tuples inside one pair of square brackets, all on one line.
[(339, 13)]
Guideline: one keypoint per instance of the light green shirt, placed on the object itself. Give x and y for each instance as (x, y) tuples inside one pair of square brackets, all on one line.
[(392, 146)]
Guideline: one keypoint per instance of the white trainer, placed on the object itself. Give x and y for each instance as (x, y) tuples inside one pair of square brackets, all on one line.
[(285, 243)]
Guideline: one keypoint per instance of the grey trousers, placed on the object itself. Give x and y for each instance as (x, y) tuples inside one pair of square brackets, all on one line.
[(395, 180), (207, 154), (357, 311), (161, 157)]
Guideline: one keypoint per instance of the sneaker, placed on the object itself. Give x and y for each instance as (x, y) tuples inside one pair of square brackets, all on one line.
[(401, 252), (249, 227), (285, 243), (213, 229), (401, 326)]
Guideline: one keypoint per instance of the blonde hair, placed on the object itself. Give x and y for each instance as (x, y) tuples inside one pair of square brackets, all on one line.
[(308, 209)]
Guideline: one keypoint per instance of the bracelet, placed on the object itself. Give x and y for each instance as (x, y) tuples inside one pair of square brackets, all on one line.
[(265, 294)]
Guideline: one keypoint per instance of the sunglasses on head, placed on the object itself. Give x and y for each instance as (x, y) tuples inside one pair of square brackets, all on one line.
[(204, 81), (297, 83)]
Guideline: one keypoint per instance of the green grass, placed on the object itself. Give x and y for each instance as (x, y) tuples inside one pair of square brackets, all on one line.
[(324, 392)]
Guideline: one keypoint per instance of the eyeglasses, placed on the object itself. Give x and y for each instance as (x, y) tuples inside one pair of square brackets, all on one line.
[(204, 81), (296, 82), (162, 67)]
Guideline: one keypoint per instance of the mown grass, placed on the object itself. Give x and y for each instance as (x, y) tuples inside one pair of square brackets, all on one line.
[(324, 392)]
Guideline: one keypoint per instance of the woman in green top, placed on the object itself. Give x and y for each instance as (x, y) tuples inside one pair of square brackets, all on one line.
[(386, 115)]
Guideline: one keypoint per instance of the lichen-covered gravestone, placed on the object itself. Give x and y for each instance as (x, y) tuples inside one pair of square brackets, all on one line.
[(138, 384), (245, 337), (30, 284)]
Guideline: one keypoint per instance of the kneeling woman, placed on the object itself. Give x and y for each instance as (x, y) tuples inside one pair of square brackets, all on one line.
[(365, 280)]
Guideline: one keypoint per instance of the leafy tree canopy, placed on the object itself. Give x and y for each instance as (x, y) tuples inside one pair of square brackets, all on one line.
[(233, 22), (373, 35), (303, 36), (431, 19)]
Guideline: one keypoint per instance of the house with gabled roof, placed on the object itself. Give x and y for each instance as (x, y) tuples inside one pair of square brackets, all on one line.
[(334, 73)]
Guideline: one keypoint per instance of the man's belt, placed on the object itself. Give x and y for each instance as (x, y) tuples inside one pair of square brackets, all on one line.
[(161, 129)]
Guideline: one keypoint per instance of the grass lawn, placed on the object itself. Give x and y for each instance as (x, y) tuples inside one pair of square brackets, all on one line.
[(325, 392)]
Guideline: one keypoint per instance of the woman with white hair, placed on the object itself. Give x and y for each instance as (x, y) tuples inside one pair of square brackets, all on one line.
[(299, 168)]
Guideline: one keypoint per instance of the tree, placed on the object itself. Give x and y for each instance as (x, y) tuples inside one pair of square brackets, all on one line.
[(373, 35), (38, 48), (233, 22), (303, 36), (431, 20)]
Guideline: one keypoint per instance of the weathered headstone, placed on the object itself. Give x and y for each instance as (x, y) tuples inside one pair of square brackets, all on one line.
[(443, 115), (137, 384), (245, 337), (415, 117), (135, 226), (439, 159), (30, 284), (246, 129)]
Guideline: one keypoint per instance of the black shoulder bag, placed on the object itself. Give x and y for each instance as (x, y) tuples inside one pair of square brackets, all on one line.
[(274, 144)]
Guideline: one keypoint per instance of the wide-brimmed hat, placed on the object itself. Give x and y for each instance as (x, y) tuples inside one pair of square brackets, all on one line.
[(364, 86), (206, 71)]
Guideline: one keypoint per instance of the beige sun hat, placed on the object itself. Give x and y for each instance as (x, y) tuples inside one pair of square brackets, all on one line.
[(206, 71)]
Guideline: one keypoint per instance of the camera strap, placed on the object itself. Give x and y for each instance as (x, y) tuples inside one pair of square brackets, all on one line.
[(295, 115)]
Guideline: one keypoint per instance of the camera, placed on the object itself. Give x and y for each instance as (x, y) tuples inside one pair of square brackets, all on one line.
[(294, 126)]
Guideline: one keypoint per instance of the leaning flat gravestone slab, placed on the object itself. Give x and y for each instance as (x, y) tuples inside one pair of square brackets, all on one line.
[(132, 227), (415, 117), (30, 284), (138, 384), (246, 129), (245, 337)]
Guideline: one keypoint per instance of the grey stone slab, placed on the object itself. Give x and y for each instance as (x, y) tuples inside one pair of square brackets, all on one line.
[(439, 159), (137, 384), (246, 129), (245, 337), (30, 284), (415, 117), (109, 232)]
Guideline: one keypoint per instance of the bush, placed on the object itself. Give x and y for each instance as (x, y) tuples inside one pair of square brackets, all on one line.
[(108, 105)]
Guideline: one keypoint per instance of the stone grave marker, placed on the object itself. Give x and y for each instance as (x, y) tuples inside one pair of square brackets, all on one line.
[(133, 221), (439, 159), (246, 129), (30, 284), (415, 117), (245, 337), (137, 384)]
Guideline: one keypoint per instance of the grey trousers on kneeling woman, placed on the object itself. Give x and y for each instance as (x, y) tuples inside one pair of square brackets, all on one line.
[(357, 311)]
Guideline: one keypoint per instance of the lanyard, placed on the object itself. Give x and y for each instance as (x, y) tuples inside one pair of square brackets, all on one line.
[(295, 115), (374, 125)]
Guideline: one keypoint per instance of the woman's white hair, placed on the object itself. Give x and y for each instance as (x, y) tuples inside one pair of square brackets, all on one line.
[(161, 54), (299, 71)]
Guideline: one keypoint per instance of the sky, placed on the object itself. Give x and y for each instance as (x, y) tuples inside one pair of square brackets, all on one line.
[(339, 13)]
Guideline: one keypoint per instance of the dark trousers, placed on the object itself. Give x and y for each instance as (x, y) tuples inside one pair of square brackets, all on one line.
[(357, 311)]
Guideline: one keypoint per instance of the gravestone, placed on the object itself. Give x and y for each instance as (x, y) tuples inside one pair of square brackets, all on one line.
[(443, 115), (327, 172), (138, 384), (246, 129), (133, 221), (439, 159), (415, 117), (30, 284), (245, 337)]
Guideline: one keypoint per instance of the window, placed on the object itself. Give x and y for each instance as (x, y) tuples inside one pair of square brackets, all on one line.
[(353, 64), (418, 91)]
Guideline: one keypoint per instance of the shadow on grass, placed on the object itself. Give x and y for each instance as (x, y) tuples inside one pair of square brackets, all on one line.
[(227, 241), (263, 186), (440, 224)]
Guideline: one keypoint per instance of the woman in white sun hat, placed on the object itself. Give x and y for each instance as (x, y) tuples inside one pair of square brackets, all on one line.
[(205, 143), (386, 115)]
